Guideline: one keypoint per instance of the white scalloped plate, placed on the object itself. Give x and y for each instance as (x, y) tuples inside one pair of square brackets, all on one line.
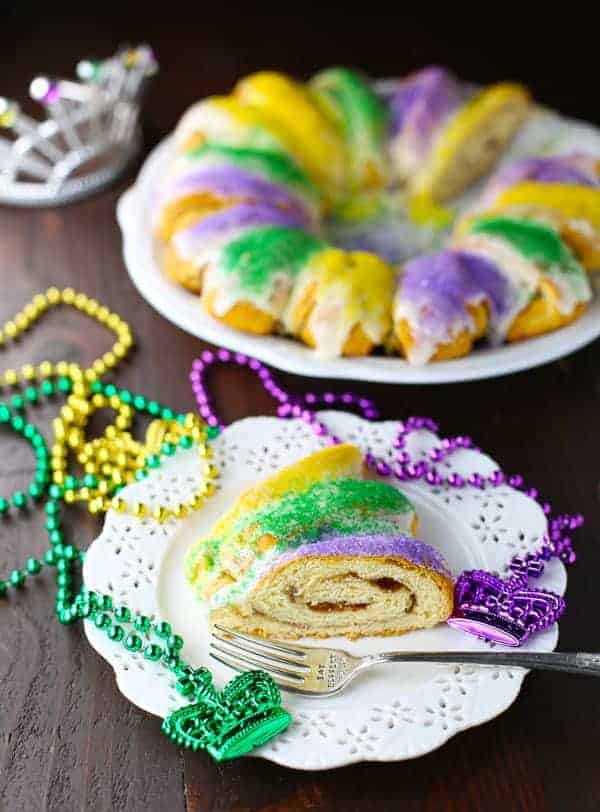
[(546, 132), (394, 712)]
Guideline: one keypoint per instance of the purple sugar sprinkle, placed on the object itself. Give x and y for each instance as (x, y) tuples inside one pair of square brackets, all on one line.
[(243, 215), (423, 101), (440, 286), (415, 551), (231, 181), (577, 168)]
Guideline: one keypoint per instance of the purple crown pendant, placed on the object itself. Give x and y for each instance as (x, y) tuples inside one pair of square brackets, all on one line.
[(505, 612)]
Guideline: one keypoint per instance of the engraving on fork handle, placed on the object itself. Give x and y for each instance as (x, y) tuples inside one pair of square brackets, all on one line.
[(334, 670)]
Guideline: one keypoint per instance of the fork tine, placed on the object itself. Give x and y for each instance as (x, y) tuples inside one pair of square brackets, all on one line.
[(287, 685), (266, 644), (249, 648), (241, 663), (251, 658)]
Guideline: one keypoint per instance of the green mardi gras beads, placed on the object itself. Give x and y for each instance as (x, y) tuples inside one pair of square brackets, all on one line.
[(16, 423), (246, 713)]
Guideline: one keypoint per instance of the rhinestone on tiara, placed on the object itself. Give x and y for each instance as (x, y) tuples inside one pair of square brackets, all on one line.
[(90, 134)]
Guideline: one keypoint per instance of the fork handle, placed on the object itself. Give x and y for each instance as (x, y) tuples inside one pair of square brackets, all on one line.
[(573, 662)]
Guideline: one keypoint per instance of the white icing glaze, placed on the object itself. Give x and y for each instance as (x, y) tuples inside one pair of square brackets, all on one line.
[(524, 275), (200, 251), (411, 158), (426, 342), (337, 308), (219, 125), (224, 287)]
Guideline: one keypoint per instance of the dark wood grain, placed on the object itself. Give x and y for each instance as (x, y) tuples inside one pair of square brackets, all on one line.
[(68, 739)]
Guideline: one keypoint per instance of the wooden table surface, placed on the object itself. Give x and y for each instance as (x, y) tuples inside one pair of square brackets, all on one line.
[(68, 739)]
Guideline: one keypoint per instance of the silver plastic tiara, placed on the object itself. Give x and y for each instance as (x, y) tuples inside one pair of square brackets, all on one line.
[(90, 134)]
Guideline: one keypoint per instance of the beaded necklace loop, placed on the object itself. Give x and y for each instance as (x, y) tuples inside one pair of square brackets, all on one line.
[(289, 405), (33, 311), (114, 460), (35, 491)]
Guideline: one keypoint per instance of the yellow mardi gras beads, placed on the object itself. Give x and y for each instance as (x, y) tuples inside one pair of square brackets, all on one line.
[(116, 458), (32, 312)]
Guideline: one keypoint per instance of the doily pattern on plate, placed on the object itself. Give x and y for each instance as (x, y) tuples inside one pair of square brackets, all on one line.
[(393, 715)]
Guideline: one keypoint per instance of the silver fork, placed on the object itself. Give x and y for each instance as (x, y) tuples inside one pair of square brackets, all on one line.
[(324, 671)]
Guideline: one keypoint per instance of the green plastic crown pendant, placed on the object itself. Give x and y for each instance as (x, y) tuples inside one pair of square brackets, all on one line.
[(244, 715)]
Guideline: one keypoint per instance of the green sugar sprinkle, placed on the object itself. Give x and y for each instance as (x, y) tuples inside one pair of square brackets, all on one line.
[(349, 99), (275, 165), (534, 241), (258, 254), (343, 506), (339, 505)]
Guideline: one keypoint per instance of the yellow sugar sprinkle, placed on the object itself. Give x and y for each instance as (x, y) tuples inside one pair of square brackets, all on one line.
[(463, 126), (334, 462), (316, 143), (571, 200)]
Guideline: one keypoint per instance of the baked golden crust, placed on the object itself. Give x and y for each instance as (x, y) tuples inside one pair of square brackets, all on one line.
[(186, 274), (185, 211), (542, 315), (586, 248), (241, 316), (351, 290), (192, 142), (356, 345), (461, 344)]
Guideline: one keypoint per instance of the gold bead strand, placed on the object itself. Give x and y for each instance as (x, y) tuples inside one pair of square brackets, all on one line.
[(69, 432), (113, 460), (22, 321), (173, 431)]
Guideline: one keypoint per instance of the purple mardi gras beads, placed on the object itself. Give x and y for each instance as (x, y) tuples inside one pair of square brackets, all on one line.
[(290, 406), (504, 611)]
